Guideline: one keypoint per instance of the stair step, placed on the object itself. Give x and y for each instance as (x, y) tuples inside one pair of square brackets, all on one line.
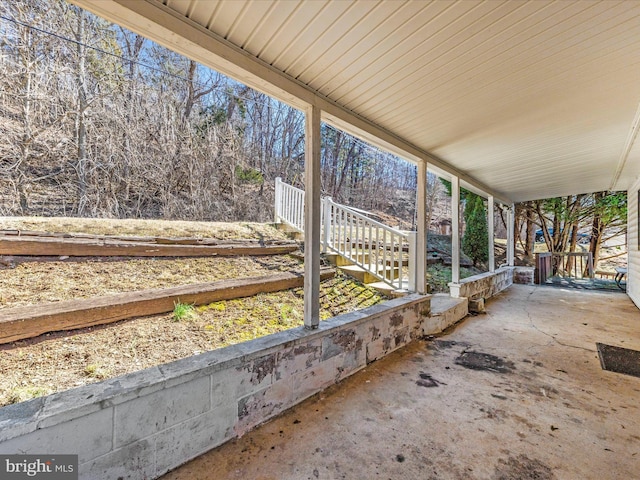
[(365, 276), (291, 232), (387, 289), (339, 261), (358, 273)]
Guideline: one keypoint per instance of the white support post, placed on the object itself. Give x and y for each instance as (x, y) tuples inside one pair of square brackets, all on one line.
[(312, 218), (455, 233), (420, 277), (511, 219), (278, 201), (490, 218), (326, 205), (411, 285)]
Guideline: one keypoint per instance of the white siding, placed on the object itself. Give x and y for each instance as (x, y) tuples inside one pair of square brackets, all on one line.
[(633, 277)]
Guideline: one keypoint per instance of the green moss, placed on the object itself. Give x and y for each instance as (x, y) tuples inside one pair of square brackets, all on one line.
[(220, 306)]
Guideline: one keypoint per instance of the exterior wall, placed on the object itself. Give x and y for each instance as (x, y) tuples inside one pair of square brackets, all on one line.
[(484, 285), (633, 275), (141, 425)]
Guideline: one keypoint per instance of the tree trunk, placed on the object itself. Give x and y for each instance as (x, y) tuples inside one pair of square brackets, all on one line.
[(81, 128), (596, 233), (530, 233)]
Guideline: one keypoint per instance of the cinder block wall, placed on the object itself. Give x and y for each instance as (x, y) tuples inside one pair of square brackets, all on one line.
[(484, 285), (141, 425)]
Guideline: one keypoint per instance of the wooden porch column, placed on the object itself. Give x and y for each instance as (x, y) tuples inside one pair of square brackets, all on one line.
[(455, 230), (312, 218), (422, 229), (490, 216), (511, 218)]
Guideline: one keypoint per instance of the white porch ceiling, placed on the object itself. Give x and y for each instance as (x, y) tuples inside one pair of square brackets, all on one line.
[(531, 98)]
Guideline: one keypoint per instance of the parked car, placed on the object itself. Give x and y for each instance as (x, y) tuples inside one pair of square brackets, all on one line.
[(540, 235), (583, 238)]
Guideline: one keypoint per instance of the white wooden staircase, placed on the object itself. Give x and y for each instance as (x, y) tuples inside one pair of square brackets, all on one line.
[(374, 253)]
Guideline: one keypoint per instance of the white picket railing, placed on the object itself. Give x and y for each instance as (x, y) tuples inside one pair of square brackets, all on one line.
[(289, 205), (381, 250)]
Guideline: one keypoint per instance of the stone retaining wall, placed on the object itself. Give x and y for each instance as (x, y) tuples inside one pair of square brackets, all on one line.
[(484, 285), (523, 275), (142, 425)]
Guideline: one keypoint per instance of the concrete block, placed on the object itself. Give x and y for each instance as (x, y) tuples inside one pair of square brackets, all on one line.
[(225, 387), (400, 338), (238, 381), (349, 363), (136, 461), (89, 437), (20, 418), (298, 358), (338, 342), (180, 443), (476, 305), (258, 407), (380, 347), (445, 311), (262, 369), (147, 415), (304, 384)]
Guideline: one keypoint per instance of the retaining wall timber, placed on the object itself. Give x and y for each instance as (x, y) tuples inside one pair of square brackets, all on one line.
[(484, 285), (141, 425)]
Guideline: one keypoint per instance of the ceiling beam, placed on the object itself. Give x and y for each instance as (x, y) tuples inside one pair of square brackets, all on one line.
[(166, 27)]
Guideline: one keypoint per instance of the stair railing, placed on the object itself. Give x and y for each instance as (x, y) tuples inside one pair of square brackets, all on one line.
[(289, 205), (380, 250)]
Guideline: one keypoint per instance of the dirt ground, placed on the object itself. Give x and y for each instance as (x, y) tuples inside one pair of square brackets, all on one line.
[(137, 227), (63, 360), (59, 361), (36, 282)]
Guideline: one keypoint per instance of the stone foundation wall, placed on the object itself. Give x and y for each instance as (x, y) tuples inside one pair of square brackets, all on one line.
[(142, 425), (484, 285)]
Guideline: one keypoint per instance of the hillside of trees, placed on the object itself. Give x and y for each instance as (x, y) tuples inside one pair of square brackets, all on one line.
[(96, 121)]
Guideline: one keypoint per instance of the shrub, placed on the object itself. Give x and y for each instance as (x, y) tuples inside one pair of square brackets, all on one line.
[(249, 175), (475, 241)]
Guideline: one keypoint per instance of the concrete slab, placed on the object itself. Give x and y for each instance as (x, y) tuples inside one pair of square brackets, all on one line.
[(535, 405)]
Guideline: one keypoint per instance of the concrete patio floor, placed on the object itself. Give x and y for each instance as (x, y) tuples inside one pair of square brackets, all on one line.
[(544, 410)]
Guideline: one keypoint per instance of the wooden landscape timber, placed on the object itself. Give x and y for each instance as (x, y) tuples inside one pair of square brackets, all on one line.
[(30, 321), (143, 239), (90, 246)]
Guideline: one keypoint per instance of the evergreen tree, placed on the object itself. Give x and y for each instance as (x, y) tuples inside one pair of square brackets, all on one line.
[(475, 240)]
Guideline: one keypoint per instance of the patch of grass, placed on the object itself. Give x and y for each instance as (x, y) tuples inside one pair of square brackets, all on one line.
[(96, 371), (21, 394), (184, 311)]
